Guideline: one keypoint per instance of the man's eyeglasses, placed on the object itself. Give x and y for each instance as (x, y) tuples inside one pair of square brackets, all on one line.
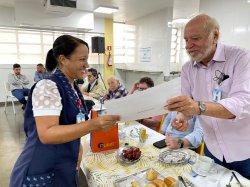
[(141, 89)]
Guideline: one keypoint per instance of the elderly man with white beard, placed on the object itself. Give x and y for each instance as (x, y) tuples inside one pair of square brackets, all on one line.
[(215, 86)]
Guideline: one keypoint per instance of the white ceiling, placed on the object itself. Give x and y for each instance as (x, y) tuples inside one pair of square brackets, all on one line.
[(128, 9)]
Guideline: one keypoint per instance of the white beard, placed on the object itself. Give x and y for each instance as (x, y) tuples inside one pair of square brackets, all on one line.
[(203, 54)]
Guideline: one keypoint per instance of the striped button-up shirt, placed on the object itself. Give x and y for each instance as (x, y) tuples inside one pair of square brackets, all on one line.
[(224, 137)]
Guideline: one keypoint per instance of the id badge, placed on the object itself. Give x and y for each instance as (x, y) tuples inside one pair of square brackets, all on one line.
[(216, 95), (80, 118)]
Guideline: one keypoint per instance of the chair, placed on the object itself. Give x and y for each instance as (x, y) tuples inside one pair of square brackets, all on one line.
[(161, 123), (8, 95), (200, 149)]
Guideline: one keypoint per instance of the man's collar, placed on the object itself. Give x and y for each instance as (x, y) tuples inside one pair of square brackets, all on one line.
[(94, 83), (219, 55)]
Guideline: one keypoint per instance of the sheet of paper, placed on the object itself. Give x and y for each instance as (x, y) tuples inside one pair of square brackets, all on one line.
[(145, 103)]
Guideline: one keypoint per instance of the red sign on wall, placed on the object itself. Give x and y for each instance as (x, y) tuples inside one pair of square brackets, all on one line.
[(109, 47)]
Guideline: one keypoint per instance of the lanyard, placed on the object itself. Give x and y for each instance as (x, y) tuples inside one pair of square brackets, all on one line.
[(79, 104), (80, 117), (216, 93)]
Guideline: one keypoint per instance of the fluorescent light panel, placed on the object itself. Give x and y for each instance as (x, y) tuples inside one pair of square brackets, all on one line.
[(106, 10)]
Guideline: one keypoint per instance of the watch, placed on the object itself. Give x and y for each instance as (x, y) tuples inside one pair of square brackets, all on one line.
[(202, 107), (181, 143)]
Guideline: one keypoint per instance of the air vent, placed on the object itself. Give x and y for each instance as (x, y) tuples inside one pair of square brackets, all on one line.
[(65, 7), (63, 3)]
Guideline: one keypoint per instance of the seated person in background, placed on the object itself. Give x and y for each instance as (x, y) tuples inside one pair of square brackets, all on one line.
[(116, 89), (95, 88), (18, 84), (192, 138), (40, 73), (84, 81), (143, 84)]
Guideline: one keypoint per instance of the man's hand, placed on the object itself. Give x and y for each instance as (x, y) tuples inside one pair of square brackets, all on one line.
[(171, 142), (180, 122), (134, 87), (183, 104)]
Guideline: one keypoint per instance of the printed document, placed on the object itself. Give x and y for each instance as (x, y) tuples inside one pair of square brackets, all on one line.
[(144, 104)]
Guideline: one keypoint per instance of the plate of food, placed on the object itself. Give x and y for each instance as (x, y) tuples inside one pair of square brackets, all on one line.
[(146, 178), (128, 154), (174, 157)]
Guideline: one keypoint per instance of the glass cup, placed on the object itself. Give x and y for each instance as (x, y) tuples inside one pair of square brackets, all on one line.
[(122, 132), (142, 135), (205, 163)]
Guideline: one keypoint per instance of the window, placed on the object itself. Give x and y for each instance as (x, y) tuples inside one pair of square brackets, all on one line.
[(31, 46), (124, 43)]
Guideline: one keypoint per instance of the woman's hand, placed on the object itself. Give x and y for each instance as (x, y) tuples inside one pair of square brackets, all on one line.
[(105, 122)]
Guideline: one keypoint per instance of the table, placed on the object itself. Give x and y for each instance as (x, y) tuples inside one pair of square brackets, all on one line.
[(102, 169)]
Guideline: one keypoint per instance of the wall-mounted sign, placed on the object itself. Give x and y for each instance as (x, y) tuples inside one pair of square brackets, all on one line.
[(145, 54)]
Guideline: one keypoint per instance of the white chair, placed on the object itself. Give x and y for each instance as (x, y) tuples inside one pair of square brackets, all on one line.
[(8, 95)]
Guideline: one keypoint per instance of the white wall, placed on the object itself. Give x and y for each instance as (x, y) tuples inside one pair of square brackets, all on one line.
[(233, 17), (128, 77), (98, 25), (7, 16), (185, 9), (153, 31)]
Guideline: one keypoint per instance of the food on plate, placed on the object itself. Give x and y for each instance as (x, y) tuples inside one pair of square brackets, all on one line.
[(150, 185), (170, 181), (159, 183), (135, 184), (132, 153), (151, 174)]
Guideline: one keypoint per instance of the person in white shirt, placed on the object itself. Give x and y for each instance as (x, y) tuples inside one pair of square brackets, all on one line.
[(18, 84)]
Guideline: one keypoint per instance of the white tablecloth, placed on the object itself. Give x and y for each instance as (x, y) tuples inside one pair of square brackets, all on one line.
[(102, 168)]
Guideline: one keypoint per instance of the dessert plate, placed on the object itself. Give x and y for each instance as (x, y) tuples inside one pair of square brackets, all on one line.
[(174, 157)]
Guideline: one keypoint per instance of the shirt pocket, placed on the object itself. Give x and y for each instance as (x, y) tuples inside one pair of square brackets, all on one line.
[(40, 180), (225, 88)]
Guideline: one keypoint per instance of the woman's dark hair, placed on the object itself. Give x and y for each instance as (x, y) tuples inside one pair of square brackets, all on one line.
[(63, 45), (94, 72), (148, 81)]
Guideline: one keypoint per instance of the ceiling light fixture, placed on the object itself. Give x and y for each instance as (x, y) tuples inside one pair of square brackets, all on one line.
[(106, 10)]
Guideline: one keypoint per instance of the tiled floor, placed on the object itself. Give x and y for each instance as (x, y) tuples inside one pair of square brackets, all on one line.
[(12, 139)]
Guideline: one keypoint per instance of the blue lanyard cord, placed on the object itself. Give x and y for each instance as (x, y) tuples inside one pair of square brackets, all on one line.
[(74, 96)]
